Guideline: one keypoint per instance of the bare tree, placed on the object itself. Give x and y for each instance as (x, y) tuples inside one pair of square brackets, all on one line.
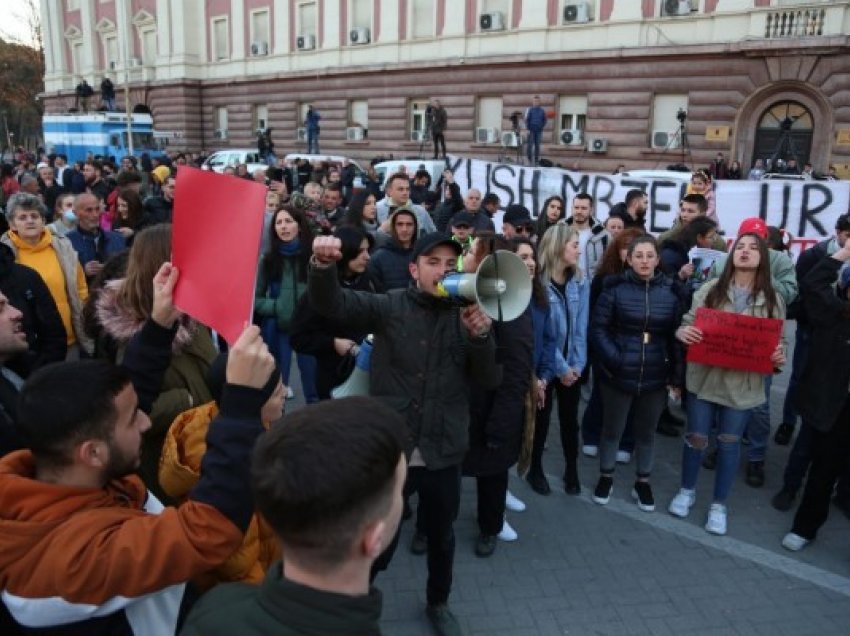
[(28, 14)]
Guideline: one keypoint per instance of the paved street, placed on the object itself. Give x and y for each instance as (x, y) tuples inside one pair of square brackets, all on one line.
[(579, 568)]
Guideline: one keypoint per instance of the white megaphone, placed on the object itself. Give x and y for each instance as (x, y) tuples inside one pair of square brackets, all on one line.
[(501, 286), (358, 382)]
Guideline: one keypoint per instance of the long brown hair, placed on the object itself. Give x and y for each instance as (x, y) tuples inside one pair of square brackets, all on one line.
[(150, 250), (135, 209), (719, 294), (538, 292), (611, 262)]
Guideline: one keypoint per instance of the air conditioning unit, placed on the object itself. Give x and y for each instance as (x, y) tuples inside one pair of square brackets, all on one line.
[(417, 135), (259, 48), (510, 139), (676, 7), (301, 134), (354, 133), (220, 133), (135, 61), (598, 144), (486, 135), (662, 140), (577, 13), (113, 66), (305, 42), (493, 21), (571, 137), (360, 35)]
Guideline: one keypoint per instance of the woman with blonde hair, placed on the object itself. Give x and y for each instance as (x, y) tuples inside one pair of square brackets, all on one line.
[(568, 292), (122, 308), (54, 258)]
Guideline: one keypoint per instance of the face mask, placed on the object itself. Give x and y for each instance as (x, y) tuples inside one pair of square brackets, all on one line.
[(69, 216)]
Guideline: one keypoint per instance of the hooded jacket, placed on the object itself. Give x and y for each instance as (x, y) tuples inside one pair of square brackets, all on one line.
[(390, 264), (179, 472), (594, 248), (56, 262)]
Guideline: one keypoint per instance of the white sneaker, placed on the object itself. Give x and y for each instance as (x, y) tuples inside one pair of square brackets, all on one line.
[(507, 533), (623, 457), (794, 542), (289, 393), (512, 503), (716, 523), (682, 502), (589, 450)]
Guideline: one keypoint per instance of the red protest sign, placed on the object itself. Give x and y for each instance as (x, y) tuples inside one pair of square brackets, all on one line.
[(215, 244), (735, 341)]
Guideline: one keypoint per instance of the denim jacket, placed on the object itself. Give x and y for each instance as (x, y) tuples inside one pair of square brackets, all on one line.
[(577, 303), (544, 340)]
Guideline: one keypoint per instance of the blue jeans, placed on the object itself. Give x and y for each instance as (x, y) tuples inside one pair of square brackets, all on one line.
[(702, 415), (306, 366), (798, 364), (758, 429), (534, 145), (312, 142)]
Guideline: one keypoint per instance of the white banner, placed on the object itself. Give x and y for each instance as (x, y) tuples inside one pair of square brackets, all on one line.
[(806, 209)]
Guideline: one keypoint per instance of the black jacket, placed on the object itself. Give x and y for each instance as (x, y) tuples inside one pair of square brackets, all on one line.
[(423, 361), (27, 292), (390, 266), (497, 417), (823, 387), (805, 262), (632, 331), (158, 209), (313, 334)]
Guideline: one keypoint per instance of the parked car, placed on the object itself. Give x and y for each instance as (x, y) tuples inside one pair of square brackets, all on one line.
[(219, 160)]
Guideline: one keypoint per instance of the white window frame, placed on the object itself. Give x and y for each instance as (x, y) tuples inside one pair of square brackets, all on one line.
[(352, 121), (479, 123), (668, 124), (416, 114), (577, 115), (214, 49), (411, 21), (252, 33), (256, 111), (145, 23), (299, 30), (370, 26), (220, 115)]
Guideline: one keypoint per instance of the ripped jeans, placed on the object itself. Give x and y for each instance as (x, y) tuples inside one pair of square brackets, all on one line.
[(731, 424)]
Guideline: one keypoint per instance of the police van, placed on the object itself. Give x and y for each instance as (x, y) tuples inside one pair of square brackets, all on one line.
[(101, 133)]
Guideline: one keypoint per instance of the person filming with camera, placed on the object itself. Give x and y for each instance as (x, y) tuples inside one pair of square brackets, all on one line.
[(427, 350)]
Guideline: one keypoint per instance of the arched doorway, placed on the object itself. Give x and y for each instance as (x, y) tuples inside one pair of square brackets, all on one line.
[(784, 131)]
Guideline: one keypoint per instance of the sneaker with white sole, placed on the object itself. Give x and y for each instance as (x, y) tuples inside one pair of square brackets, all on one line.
[(716, 523), (623, 457), (589, 450), (507, 534), (642, 494), (602, 493), (512, 503), (289, 393), (682, 502), (794, 542)]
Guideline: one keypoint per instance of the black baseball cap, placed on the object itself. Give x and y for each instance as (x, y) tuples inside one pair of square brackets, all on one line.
[(462, 218), (517, 215), (426, 244)]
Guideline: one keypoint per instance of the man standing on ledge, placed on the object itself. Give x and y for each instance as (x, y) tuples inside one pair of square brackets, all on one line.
[(426, 352), (535, 121)]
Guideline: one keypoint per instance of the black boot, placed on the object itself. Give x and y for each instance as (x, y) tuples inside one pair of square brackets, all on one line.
[(538, 482)]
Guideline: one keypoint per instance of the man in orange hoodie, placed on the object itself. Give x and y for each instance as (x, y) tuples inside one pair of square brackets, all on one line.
[(82, 542)]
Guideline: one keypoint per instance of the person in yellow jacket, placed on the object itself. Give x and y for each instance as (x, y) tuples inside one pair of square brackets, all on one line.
[(180, 469), (54, 258)]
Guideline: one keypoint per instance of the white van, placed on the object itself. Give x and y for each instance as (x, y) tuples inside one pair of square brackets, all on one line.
[(434, 167)]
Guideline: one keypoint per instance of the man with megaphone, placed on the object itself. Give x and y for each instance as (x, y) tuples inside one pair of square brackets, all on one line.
[(427, 349)]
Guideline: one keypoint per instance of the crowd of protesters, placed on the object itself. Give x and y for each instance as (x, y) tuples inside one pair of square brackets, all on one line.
[(144, 462)]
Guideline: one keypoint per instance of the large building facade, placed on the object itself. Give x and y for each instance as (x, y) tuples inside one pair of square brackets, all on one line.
[(756, 78)]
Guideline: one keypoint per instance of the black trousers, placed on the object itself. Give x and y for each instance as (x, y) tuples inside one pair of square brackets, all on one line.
[(439, 140), (439, 502), (491, 502), (568, 399), (830, 454)]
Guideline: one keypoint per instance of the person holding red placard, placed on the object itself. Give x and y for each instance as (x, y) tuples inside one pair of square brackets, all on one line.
[(721, 394)]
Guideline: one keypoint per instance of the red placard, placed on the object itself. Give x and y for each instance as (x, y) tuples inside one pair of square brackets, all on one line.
[(735, 341), (215, 244)]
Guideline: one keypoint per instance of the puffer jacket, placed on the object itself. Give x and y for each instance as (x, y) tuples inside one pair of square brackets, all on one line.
[(423, 361), (278, 299), (728, 387), (577, 304), (633, 332), (179, 471), (390, 265)]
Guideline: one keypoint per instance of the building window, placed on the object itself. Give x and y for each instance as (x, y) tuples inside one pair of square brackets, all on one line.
[(572, 116), (358, 115), (77, 56), (73, 5), (148, 40), (501, 8), (489, 113), (664, 110), (221, 46), (261, 117), (361, 14), (260, 28), (422, 19), (221, 122), (308, 19), (417, 117), (111, 58)]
